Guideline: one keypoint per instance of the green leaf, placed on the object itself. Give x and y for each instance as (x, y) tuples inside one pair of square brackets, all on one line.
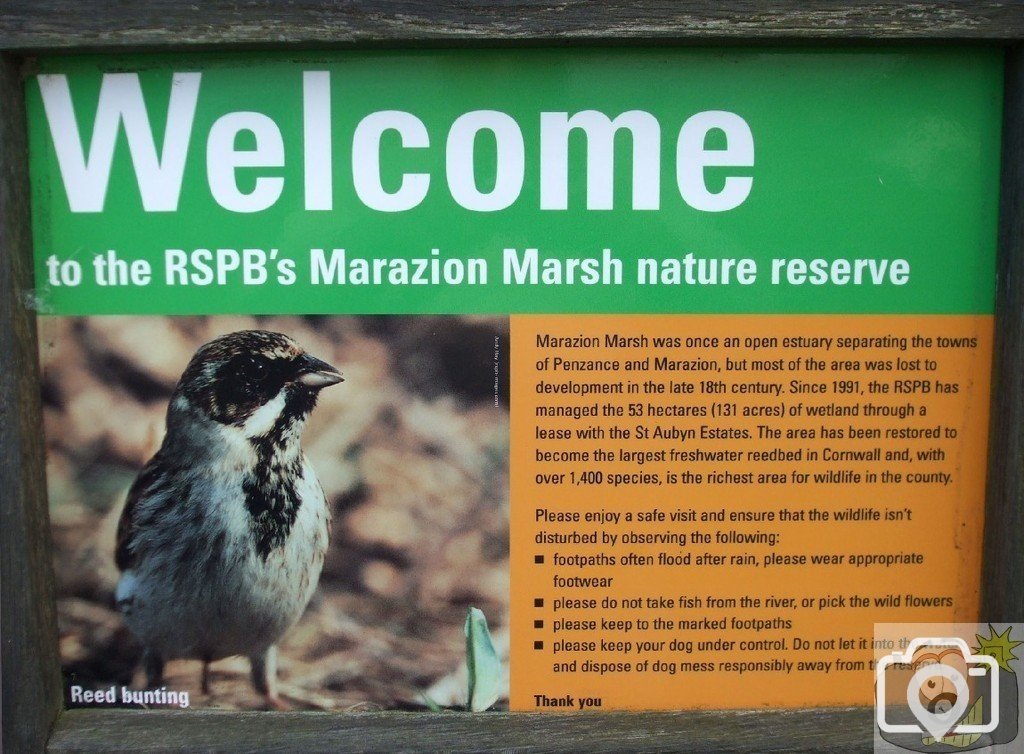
[(483, 663), (430, 703)]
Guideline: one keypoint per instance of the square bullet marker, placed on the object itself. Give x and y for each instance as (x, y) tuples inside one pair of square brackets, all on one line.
[(538, 558), (538, 624), (538, 645), (539, 602)]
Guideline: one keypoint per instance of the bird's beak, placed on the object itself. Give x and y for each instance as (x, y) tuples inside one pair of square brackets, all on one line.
[(315, 373)]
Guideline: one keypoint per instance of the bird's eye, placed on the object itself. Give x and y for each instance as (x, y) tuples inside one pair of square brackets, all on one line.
[(257, 369)]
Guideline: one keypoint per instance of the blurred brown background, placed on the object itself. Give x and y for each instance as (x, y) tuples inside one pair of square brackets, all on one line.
[(413, 455)]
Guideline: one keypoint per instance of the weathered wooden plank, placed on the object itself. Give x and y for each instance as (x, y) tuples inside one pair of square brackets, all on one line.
[(108, 24), (832, 730), (1003, 573), (28, 625)]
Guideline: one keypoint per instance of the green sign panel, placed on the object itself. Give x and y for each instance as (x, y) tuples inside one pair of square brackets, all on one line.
[(516, 181)]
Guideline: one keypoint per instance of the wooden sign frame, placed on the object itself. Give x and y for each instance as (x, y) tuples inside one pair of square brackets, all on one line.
[(32, 713)]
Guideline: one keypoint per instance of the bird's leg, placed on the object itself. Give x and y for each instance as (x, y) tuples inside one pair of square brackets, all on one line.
[(154, 665), (206, 676), (264, 676)]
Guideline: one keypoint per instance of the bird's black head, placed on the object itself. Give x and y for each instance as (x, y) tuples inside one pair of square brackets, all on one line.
[(254, 380)]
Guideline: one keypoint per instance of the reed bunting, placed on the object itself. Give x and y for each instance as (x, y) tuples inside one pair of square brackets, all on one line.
[(224, 531)]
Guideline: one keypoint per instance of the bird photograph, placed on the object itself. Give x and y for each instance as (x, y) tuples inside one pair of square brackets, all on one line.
[(224, 532), (276, 512)]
